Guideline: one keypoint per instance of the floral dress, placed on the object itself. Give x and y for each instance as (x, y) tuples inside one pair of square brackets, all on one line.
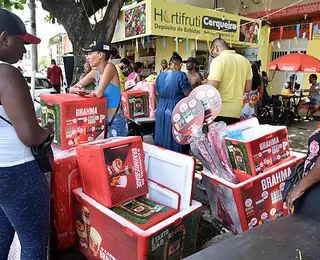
[(313, 152), (307, 204)]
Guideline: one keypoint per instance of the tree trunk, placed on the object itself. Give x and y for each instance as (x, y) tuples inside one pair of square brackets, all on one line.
[(74, 19), (34, 49)]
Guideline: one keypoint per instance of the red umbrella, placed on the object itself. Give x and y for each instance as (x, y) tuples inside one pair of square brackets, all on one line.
[(296, 62)]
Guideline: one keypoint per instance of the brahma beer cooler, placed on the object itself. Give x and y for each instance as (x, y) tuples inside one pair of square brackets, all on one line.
[(75, 119), (263, 147), (65, 178), (104, 234), (151, 88), (135, 103), (255, 200), (112, 170)]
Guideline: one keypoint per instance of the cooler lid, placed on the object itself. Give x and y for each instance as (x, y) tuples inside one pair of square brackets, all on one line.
[(170, 169), (163, 195)]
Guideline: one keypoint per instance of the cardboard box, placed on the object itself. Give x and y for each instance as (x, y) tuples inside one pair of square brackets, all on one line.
[(267, 146), (255, 200), (112, 170), (135, 103), (65, 178), (75, 119), (103, 234)]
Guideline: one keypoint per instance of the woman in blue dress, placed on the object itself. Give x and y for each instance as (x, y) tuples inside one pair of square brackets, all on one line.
[(171, 86)]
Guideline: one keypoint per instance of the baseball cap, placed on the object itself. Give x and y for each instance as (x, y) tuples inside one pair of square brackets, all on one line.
[(101, 46), (293, 76), (191, 59), (14, 26)]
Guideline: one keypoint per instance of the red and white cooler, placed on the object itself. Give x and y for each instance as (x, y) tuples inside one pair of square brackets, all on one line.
[(104, 234), (263, 147), (65, 178), (255, 200), (151, 88), (75, 119), (135, 103), (112, 170)]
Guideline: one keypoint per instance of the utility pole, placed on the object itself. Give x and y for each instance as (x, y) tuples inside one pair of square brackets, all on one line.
[(34, 50)]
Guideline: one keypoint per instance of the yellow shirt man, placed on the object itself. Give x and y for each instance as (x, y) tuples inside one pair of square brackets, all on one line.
[(231, 72), (121, 77)]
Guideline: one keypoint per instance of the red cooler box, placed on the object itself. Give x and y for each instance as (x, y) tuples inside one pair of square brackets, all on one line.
[(103, 234), (65, 178), (267, 146), (135, 103), (255, 200), (112, 170), (151, 88), (75, 119)]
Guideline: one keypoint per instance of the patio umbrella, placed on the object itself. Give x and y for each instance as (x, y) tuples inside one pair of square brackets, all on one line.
[(296, 62)]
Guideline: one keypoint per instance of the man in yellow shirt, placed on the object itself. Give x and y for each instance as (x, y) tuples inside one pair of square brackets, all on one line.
[(231, 74), (124, 63)]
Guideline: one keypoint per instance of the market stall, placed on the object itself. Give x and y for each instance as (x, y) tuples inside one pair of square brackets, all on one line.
[(154, 29)]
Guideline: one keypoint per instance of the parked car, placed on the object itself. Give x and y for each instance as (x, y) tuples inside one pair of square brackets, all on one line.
[(43, 85)]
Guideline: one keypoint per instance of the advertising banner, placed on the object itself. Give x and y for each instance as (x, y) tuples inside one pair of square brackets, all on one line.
[(179, 20)]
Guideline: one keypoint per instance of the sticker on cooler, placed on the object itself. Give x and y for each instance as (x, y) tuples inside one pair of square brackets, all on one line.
[(188, 113), (89, 237), (210, 99)]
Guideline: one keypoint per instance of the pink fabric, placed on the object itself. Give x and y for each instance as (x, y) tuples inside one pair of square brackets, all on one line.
[(133, 76)]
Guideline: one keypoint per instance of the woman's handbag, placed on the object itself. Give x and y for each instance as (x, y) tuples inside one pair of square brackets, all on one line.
[(292, 180), (42, 153)]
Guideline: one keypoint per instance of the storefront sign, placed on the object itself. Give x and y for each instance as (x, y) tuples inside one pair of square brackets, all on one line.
[(170, 19)]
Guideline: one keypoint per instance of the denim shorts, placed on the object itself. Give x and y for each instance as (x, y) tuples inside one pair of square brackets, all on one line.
[(119, 126)]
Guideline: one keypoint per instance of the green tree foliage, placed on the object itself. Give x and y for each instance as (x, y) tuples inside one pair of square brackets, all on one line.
[(44, 62), (10, 4)]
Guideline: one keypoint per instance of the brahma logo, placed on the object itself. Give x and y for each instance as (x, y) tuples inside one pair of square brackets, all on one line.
[(269, 143), (86, 111), (275, 179)]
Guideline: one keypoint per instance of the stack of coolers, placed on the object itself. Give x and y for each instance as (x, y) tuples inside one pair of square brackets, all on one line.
[(75, 120), (135, 201), (261, 159)]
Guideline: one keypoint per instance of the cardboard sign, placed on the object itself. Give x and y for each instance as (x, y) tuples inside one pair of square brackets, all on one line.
[(186, 115), (210, 99), (181, 139)]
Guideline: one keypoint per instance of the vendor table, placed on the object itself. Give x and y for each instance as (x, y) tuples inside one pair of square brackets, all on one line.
[(283, 239), (290, 108), (141, 126)]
